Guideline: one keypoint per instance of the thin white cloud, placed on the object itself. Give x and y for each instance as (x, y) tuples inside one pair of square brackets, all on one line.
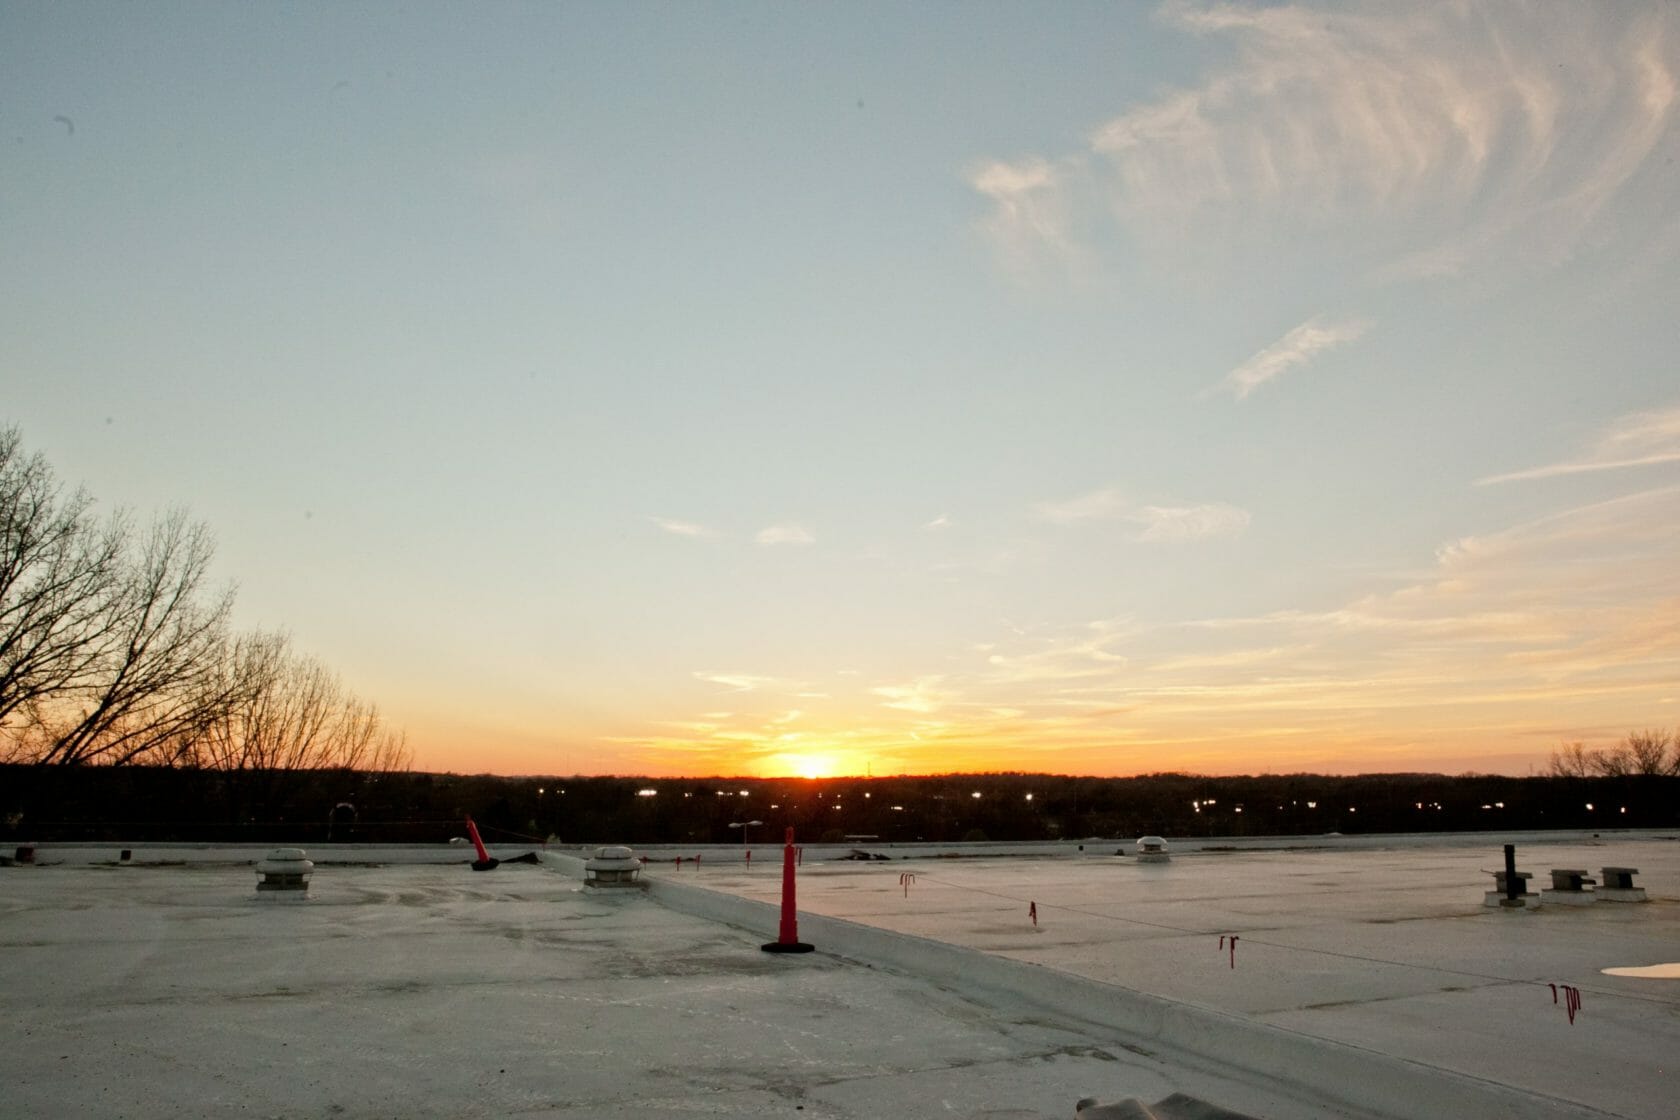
[(943, 521), (1160, 523), (739, 682), (1450, 133), (1099, 505), (786, 533), (1064, 658), (1189, 523), (1504, 625), (1294, 349), (1641, 439), (1224, 659), (684, 528), (1029, 209), (922, 695)]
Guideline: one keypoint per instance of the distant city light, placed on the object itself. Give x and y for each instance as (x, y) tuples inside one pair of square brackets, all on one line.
[(743, 793), (1312, 804), (898, 808), (647, 793), (976, 795), (1238, 809), (1589, 806), (1029, 797)]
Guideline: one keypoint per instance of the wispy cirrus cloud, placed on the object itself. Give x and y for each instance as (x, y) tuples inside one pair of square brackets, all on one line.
[(1030, 210), (1534, 587), (922, 695), (1098, 505), (1031, 660), (1640, 439), (685, 528), (1458, 132), (1506, 636), (787, 532), (1190, 523), (743, 682), (1159, 523), (1300, 346)]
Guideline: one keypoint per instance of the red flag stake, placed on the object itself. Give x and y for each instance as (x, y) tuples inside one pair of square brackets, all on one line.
[(483, 862), (1233, 950), (1032, 912), (1571, 999), (787, 937), (905, 878)]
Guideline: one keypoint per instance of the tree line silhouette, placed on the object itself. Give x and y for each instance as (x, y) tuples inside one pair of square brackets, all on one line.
[(141, 803), (115, 650)]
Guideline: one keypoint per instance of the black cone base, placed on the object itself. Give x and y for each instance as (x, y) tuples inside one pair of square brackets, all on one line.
[(787, 947), (485, 864)]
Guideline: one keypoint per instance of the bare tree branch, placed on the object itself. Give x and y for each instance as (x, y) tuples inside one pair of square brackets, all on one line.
[(1646, 751), (111, 657), (148, 688), (60, 576), (1571, 760), (289, 712)]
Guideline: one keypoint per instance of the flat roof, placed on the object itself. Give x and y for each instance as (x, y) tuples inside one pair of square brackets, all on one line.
[(431, 990), (1387, 948)]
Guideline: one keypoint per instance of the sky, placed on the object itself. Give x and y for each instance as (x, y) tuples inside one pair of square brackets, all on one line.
[(772, 389)]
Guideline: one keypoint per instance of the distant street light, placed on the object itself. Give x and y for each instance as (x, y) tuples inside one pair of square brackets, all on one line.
[(744, 826)]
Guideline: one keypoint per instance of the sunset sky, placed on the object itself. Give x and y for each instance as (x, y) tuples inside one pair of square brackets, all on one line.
[(893, 388)]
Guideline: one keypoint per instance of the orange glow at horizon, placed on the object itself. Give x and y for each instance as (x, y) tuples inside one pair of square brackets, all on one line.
[(987, 750), (1506, 647), (807, 764)]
